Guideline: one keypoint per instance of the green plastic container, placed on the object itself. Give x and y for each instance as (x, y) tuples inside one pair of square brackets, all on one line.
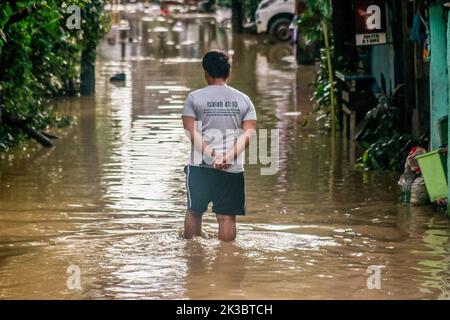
[(434, 171)]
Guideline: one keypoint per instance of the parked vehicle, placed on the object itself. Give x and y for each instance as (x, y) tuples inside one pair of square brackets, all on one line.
[(274, 17)]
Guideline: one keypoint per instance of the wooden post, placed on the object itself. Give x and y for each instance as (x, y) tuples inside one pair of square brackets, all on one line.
[(87, 75), (236, 16), (91, 31), (352, 125), (346, 125)]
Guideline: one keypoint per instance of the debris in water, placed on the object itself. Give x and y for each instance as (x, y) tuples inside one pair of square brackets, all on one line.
[(118, 77)]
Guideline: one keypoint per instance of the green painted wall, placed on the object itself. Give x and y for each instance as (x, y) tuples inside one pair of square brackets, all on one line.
[(448, 111), (439, 76), (438, 72)]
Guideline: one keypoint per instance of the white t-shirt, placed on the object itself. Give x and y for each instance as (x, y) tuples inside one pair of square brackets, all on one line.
[(219, 111)]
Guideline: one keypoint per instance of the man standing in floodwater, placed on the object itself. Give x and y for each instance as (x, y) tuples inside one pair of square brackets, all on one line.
[(220, 122)]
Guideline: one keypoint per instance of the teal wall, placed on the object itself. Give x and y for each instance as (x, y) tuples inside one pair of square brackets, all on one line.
[(438, 72), (439, 76), (448, 111)]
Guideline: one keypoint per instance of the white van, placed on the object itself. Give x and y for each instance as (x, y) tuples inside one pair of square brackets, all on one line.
[(274, 17)]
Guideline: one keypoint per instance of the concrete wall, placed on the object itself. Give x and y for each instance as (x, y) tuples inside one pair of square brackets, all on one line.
[(438, 72), (439, 75), (448, 110)]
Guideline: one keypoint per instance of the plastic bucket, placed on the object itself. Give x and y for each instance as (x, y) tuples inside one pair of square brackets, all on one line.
[(433, 167)]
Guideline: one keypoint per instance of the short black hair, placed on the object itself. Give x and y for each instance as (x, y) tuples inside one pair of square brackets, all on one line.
[(217, 64)]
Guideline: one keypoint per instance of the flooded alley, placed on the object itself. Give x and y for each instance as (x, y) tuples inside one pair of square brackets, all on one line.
[(110, 199)]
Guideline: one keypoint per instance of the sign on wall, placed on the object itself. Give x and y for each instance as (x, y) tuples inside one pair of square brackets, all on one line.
[(370, 18)]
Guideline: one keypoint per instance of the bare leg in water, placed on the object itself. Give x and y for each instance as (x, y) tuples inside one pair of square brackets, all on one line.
[(227, 227), (192, 225)]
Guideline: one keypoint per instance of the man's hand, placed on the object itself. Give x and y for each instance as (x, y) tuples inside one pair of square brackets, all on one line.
[(221, 161)]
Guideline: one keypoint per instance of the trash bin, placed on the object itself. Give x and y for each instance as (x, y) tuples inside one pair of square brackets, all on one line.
[(433, 167)]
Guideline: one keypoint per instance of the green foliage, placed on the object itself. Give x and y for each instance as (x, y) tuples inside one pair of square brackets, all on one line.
[(321, 84), (224, 3), (40, 58), (249, 7), (9, 137), (386, 147), (322, 9), (95, 24), (311, 26), (388, 152)]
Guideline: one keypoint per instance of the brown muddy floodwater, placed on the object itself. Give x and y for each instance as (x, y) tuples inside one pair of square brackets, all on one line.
[(110, 198)]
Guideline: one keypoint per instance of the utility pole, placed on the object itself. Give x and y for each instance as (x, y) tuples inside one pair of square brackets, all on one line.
[(91, 29), (236, 16)]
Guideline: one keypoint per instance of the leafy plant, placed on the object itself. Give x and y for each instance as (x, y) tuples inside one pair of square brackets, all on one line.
[(382, 119), (321, 84), (314, 25), (385, 146), (310, 21), (386, 153), (41, 58)]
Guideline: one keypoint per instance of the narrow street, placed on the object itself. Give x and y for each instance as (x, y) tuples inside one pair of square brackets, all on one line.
[(110, 198)]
